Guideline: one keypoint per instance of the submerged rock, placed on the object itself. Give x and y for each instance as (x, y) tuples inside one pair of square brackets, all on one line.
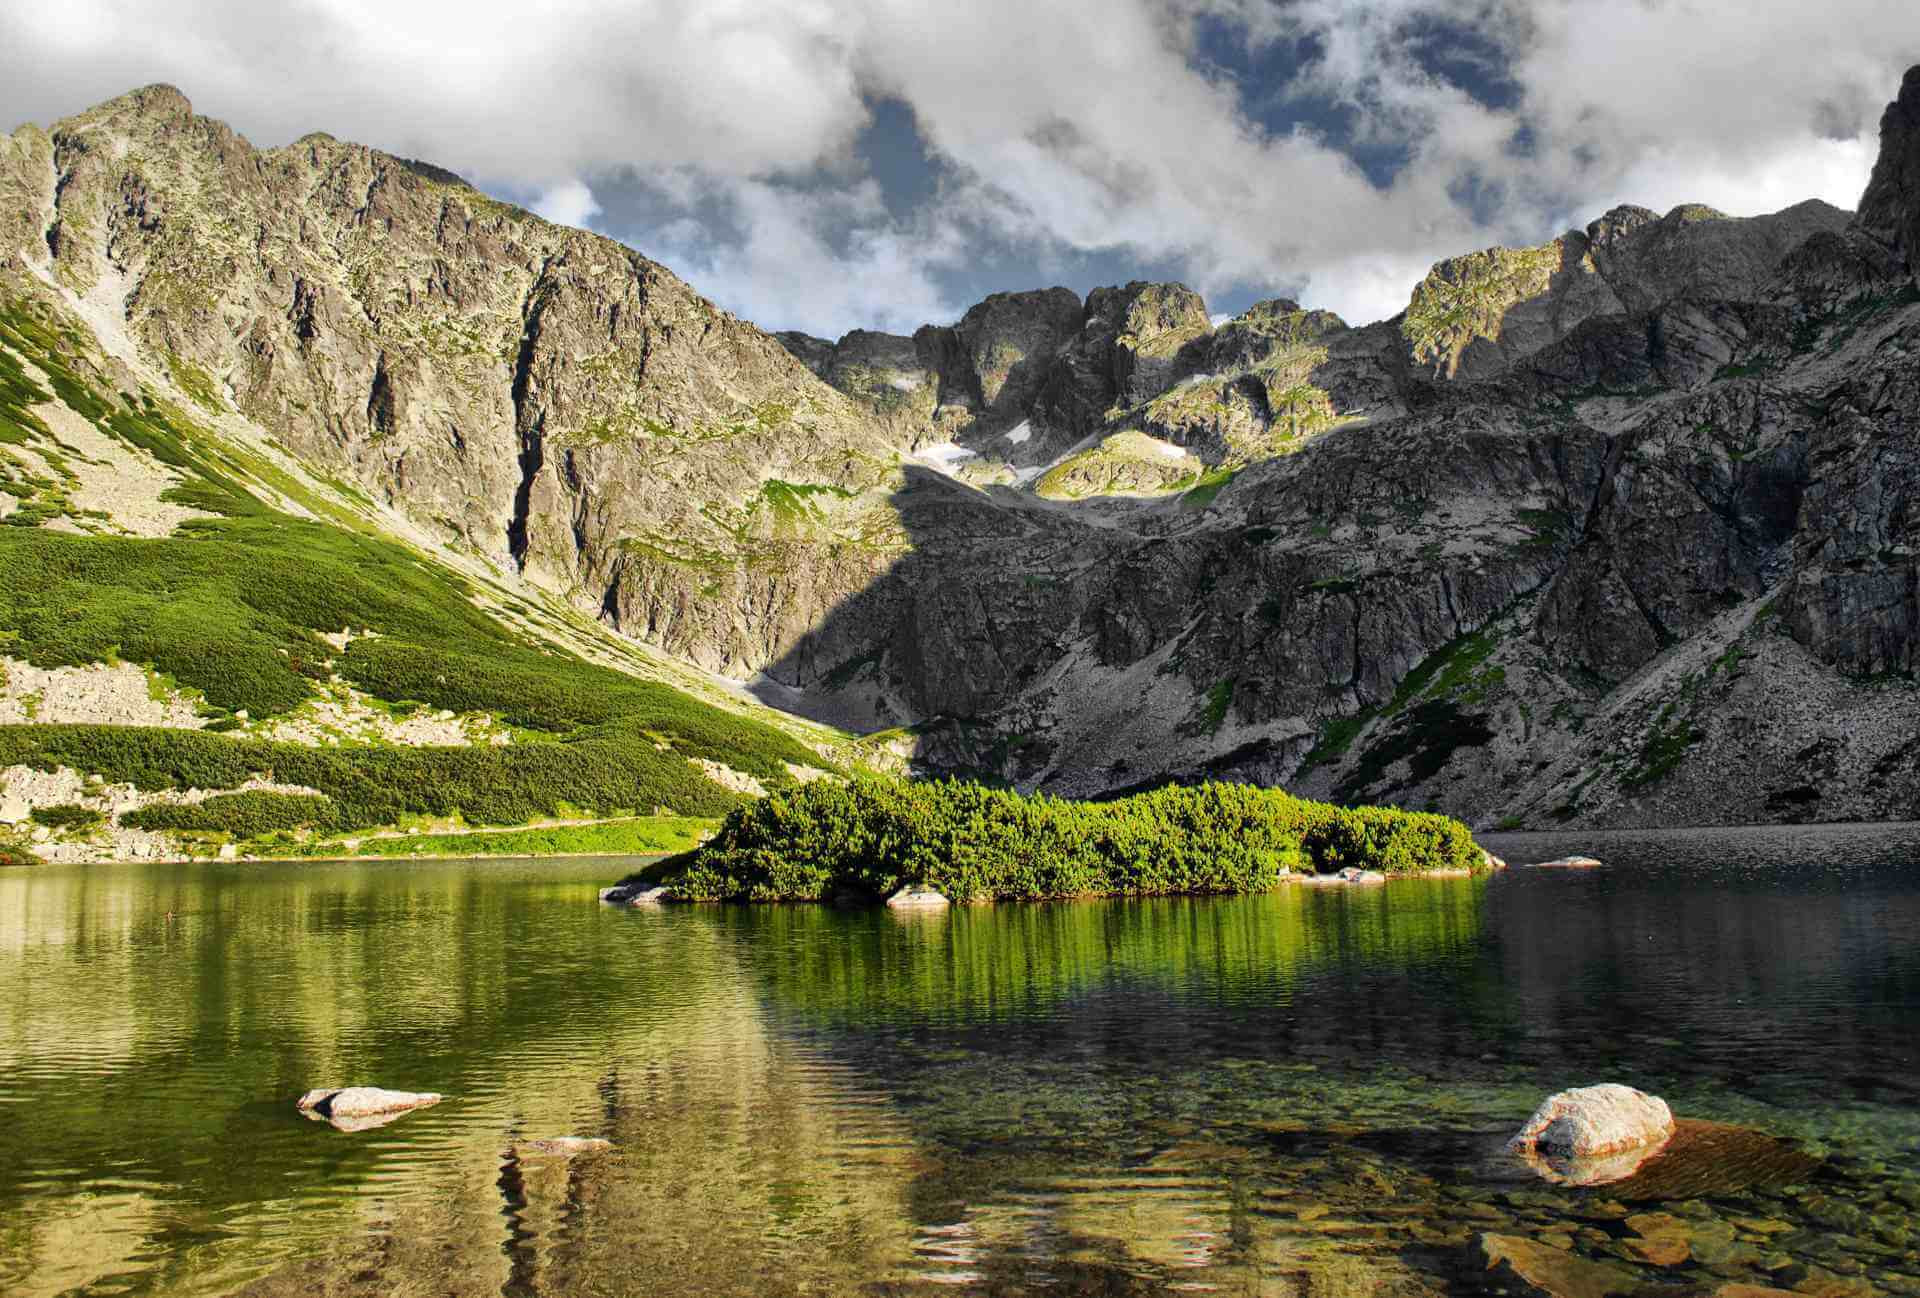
[(358, 1108), (1525, 1266), (912, 898), (1567, 863), (561, 1147), (1596, 1121)]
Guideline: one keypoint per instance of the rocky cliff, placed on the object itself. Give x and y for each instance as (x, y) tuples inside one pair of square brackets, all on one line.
[(1615, 530)]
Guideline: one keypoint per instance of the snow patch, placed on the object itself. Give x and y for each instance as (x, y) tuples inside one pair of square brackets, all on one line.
[(1020, 434), (1168, 448), (945, 457)]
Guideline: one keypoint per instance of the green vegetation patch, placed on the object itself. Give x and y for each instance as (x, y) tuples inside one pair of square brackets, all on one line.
[(1211, 484), (970, 842), (67, 816), (1426, 738), (242, 815), (608, 770), (1665, 748)]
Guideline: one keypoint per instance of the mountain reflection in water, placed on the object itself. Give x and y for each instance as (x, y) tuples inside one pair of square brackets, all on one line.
[(1281, 1094)]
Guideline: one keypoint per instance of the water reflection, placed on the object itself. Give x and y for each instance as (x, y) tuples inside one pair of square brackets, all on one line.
[(1298, 1093)]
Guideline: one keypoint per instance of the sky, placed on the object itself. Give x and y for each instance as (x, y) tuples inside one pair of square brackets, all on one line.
[(827, 165)]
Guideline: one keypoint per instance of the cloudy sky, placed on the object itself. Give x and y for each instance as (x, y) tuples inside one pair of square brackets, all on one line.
[(832, 164)]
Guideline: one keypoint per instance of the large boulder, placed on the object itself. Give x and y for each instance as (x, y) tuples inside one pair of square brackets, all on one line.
[(1595, 1121)]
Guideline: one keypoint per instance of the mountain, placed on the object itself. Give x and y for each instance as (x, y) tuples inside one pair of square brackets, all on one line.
[(1618, 530)]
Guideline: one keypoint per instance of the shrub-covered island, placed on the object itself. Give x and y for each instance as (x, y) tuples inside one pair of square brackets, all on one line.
[(874, 836)]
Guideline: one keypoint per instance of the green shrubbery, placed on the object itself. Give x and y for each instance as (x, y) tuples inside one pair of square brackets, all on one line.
[(603, 770), (66, 815), (969, 841), (14, 852), (242, 815)]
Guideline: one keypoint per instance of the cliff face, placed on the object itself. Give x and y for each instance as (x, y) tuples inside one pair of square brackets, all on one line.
[(1616, 530)]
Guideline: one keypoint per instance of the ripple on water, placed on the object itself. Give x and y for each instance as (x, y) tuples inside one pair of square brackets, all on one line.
[(1303, 1089)]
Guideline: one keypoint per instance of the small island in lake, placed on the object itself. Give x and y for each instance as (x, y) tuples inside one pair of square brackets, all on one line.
[(869, 838)]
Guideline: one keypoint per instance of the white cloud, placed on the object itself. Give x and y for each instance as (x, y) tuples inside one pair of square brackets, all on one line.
[(571, 202), (1059, 128)]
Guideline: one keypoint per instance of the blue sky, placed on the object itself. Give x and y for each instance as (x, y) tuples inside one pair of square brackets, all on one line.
[(831, 164)]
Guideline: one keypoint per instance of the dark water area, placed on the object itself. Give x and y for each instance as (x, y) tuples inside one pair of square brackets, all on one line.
[(1304, 1092)]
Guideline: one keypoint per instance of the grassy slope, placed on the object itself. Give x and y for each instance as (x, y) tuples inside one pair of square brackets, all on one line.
[(232, 606)]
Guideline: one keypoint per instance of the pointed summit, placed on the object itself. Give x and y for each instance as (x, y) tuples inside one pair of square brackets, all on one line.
[(1890, 209)]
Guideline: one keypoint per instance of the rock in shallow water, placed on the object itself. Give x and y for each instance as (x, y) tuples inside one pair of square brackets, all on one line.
[(917, 898), (356, 1108), (1595, 1121), (1525, 1266), (636, 894), (1567, 863)]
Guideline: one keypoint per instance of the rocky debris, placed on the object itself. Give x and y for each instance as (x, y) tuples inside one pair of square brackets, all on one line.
[(561, 1147), (1517, 1265), (360, 1108), (1593, 1121), (1566, 863), (636, 894), (913, 897)]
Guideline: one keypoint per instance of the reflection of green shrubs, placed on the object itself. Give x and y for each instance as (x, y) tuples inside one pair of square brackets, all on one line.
[(66, 815), (969, 841)]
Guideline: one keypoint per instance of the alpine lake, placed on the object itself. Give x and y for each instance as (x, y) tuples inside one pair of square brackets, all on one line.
[(1301, 1092)]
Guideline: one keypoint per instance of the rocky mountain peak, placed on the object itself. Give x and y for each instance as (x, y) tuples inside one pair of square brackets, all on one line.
[(1890, 207), (159, 101)]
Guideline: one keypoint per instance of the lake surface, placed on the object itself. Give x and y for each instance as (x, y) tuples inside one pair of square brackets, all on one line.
[(1302, 1092)]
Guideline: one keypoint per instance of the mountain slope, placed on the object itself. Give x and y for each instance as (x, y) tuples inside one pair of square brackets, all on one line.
[(1616, 530)]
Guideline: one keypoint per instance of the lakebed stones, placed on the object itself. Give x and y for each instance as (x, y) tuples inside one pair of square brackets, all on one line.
[(358, 1108), (1523, 1266), (1596, 1121), (1567, 863)]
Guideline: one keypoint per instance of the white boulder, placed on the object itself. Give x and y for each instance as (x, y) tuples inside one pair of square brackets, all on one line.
[(1593, 1121)]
